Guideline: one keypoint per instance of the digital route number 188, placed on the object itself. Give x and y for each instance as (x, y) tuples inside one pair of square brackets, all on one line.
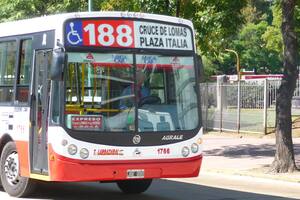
[(108, 34)]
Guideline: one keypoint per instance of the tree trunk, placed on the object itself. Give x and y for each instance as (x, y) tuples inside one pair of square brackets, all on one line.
[(178, 8), (284, 157)]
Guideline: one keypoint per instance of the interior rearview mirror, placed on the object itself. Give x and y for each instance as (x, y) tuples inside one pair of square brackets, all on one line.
[(57, 66)]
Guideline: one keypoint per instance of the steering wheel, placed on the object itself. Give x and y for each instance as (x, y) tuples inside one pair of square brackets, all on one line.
[(149, 100)]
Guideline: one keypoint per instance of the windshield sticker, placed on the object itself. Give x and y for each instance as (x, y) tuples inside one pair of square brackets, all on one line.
[(74, 33), (148, 61), (97, 59), (86, 122)]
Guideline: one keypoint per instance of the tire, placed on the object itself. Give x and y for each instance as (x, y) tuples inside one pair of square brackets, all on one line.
[(12, 182), (134, 186)]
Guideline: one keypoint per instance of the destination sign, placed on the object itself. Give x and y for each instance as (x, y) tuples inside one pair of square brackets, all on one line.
[(127, 34)]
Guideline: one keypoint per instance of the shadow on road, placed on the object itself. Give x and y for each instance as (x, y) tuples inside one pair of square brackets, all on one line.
[(160, 190), (247, 150)]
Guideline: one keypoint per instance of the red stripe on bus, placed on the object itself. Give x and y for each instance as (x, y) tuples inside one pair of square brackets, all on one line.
[(120, 65), (147, 66), (164, 66), (23, 149), (65, 169)]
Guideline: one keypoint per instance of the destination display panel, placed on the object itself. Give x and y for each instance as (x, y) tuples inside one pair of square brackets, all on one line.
[(127, 34)]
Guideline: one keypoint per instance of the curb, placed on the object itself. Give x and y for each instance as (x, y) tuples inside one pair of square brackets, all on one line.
[(285, 178), (249, 178)]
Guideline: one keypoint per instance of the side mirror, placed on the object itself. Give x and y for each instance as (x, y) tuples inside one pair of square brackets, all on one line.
[(200, 69), (59, 60)]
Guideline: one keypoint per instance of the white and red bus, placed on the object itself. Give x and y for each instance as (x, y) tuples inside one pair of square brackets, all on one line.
[(73, 108)]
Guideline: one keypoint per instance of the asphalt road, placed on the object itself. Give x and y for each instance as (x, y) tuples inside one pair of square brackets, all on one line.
[(159, 190)]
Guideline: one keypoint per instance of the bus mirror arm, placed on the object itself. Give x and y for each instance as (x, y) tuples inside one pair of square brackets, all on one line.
[(59, 60), (199, 67)]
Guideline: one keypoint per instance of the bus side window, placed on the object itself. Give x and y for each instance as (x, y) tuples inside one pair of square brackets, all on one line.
[(24, 71), (7, 70)]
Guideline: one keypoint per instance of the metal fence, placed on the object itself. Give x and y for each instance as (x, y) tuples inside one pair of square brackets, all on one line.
[(242, 106)]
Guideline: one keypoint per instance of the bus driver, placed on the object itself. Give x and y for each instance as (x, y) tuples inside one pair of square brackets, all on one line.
[(142, 91)]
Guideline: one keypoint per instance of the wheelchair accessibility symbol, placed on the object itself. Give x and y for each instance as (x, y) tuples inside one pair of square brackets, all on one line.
[(73, 36)]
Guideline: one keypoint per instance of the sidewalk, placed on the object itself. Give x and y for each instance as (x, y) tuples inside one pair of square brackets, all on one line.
[(247, 156)]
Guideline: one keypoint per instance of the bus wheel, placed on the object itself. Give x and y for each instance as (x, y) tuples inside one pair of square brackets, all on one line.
[(134, 186), (12, 182)]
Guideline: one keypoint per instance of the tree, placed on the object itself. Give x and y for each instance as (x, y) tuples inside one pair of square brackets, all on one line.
[(20, 9), (272, 36), (252, 48), (179, 8), (121, 5), (256, 11), (284, 157), (217, 22)]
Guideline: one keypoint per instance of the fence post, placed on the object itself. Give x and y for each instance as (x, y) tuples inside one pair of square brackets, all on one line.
[(221, 106), (207, 107), (220, 93), (239, 107), (265, 105)]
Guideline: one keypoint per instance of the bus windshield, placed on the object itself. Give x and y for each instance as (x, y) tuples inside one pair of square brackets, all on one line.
[(109, 92)]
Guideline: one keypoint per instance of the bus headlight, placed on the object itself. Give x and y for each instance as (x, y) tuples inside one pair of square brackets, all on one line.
[(185, 151), (84, 153), (195, 147), (64, 142), (200, 141), (72, 149)]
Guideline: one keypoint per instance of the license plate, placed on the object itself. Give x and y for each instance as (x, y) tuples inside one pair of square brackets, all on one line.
[(135, 173)]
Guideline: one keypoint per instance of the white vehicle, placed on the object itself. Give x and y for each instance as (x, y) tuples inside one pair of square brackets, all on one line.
[(98, 96)]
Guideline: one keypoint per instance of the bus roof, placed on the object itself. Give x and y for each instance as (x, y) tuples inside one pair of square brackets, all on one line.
[(55, 22)]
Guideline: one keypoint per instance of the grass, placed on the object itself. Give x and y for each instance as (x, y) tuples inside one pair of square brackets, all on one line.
[(250, 119), (271, 134), (270, 130), (234, 134)]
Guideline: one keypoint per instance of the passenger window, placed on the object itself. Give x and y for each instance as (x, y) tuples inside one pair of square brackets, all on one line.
[(25, 71), (7, 70)]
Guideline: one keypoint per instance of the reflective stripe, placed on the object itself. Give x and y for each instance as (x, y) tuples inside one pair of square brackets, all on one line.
[(40, 177)]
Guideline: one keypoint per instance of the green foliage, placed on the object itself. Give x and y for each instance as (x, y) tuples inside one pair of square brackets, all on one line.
[(20, 9), (187, 8), (217, 22), (297, 21), (120, 5), (254, 54), (257, 10), (251, 27), (209, 68), (259, 42), (272, 36), (158, 6)]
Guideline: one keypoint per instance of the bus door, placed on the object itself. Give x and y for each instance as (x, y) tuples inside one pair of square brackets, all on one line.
[(39, 115)]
